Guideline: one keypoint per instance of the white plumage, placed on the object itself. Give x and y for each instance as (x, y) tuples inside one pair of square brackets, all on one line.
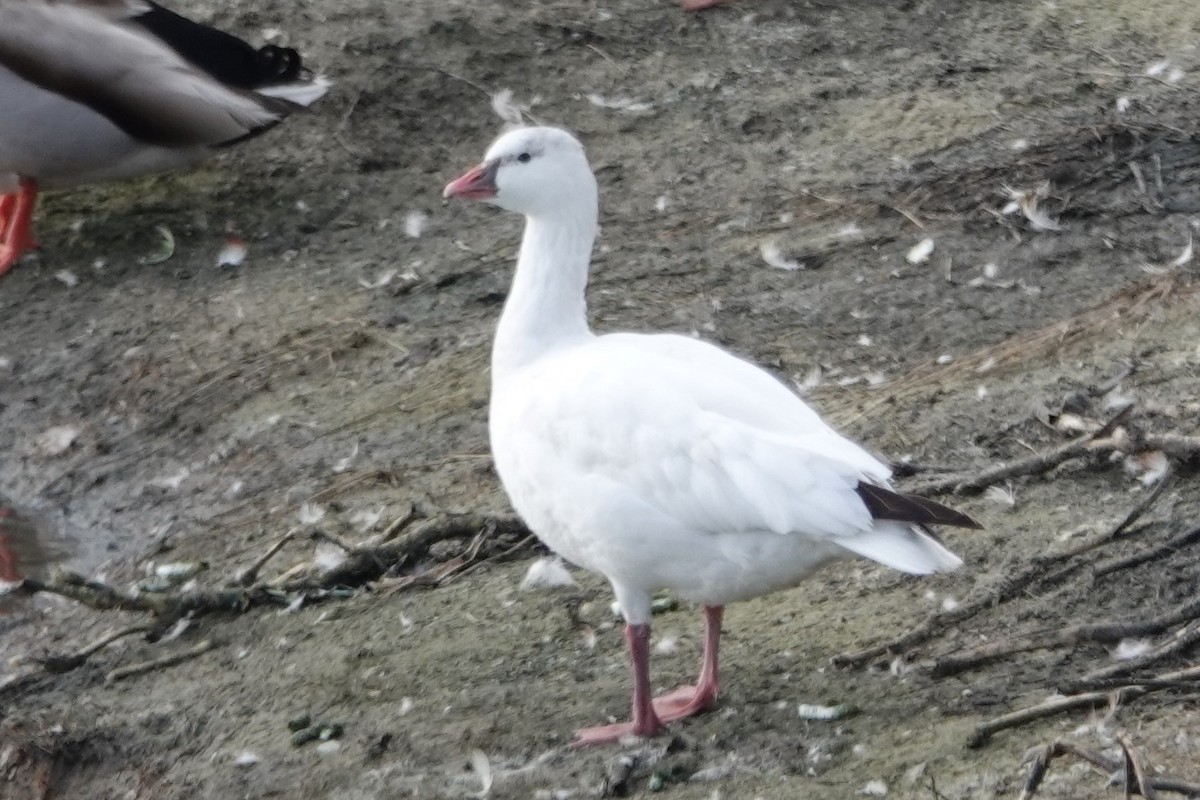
[(660, 461)]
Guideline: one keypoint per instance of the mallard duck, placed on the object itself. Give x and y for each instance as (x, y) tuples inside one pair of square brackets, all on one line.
[(101, 90)]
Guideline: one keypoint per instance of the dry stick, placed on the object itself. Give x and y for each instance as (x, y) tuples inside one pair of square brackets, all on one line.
[(1056, 705), (121, 673), (1102, 632), (1036, 571), (250, 574), (1135, 771), (1106, 766), (1035, 464), (1141, 557), (368, 563), (66, 663), (1179, 642)]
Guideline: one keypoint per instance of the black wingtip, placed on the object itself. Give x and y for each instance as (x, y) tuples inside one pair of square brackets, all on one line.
[(886, 504), (222, 55)]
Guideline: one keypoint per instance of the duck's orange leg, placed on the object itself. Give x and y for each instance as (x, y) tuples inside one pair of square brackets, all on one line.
[(16, 220)]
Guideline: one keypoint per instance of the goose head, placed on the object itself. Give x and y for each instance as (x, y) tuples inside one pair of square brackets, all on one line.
[(537, 172)]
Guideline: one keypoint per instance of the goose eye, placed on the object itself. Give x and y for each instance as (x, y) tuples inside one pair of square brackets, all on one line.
[(524, 158)]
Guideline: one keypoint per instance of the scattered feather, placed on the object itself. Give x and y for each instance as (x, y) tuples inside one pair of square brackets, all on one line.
[(176, 630), (667, 644), (365, 519), (311, 514), (233, 252), (1175, 75), (849, 231), (1072, 423), (329, 747), (864, 340), (67, 278), (991, 271), (1018, 145), (166, 248), (874, 788), (414, 223), (826, 713), (1002, 495), (246, 758), (1157, 68), (55, 441), (949, 603), (981, 392), (406, 705), (1123, 104), (660, 205), (292, 607), (328, 556), (173, 481), (1186, 256), (627, 104), (1116, 401), (944, 358), (1128, 649), (483, 768), (920, 252), (988, 365), (1026, 201), (343, 464), (384, 279), (506, 109), (773, 255), (180, 571), (713, 773), (1152, 466), (548, 572), (588, 635), (812, 379)]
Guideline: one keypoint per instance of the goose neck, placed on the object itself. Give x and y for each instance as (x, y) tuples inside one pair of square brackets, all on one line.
[(546, 308)]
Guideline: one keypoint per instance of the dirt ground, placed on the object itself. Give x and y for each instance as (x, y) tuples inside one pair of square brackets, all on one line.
[(345, 363)]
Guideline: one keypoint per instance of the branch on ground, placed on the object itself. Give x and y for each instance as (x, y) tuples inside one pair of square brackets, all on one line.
[(400, 551)]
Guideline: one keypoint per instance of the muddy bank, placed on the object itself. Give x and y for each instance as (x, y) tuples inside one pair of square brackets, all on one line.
[(345, 365)]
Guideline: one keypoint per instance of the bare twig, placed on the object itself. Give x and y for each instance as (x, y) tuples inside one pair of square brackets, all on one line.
[(1149, 554), (1056, 705), (1181, 641), (1035, 464), (1106, 766), (1037, 571), (1102, 632), (120, 673), (1135, 771), (68, 662), (250, 574)]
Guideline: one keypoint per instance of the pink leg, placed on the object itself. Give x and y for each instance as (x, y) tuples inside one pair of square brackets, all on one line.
[(688, 700), (17, 213), (6, 204), (650, 715)]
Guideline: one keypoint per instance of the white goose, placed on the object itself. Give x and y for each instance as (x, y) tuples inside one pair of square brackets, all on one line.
[(658, 460), (99, 90)]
